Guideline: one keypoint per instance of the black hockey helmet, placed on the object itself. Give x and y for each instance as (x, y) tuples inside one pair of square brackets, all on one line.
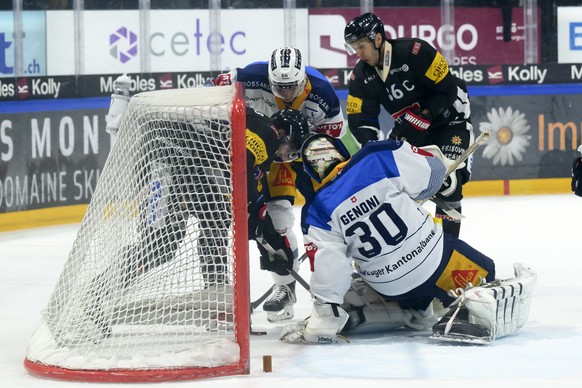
[(321, 153), (296, 129), (364, 26)]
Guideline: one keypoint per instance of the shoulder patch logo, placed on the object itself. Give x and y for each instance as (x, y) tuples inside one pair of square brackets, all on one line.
[(354, 105), (416, 48), (438, 69)]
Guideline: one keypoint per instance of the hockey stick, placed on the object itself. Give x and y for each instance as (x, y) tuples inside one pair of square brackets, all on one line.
[(446, 208), (299, 279), (263, 297), (479, 141)]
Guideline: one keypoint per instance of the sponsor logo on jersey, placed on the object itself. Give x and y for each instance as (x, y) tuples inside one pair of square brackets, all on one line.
[(459, 271), (284, 177), (403, 68), (256, 146), (353, 105), (369, 78), (331, 129), (400, 263), (416, 48), (438, 69), (456, 140), (311, 250)]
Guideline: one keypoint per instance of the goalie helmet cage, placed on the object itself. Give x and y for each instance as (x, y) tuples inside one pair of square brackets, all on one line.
[(156, 286)]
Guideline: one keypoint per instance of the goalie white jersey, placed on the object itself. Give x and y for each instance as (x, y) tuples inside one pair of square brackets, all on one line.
[(395, 243)]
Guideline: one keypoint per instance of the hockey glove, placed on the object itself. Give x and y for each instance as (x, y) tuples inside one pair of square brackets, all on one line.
[(450, 183), (577, 177), (222, 79), (365, 134), (411, 127), (276, 253), (322, 327)]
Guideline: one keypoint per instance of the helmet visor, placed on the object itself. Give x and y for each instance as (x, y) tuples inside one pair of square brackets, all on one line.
[(349, 48), (286, 151), (286, 91)]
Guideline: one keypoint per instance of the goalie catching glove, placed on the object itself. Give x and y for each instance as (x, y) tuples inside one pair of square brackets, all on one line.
[(322, 327), (276, 253), (450, 183), (411, 127)]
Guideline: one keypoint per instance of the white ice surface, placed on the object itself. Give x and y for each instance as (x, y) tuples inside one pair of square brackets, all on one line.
[(542, 231)]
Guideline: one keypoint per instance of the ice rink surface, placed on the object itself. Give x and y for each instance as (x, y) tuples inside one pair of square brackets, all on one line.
[(544, 232)]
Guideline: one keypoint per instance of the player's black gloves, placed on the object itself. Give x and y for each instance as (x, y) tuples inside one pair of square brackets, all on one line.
[(276, 253), (364, 135), (577, 177), (411, 126)]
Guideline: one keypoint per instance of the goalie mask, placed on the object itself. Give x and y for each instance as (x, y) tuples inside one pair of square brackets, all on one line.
[(321, 153), (287, 73), (294, 130)]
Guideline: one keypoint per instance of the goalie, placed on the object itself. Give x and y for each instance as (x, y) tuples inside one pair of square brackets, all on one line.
[(367, 211)]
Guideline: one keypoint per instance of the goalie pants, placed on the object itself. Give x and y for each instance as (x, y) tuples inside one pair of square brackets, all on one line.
[(460, 264)]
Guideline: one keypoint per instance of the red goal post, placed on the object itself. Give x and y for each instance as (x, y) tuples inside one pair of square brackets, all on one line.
[(156, 286)]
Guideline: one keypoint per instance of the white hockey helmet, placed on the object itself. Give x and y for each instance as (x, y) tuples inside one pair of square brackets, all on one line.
[(321, 153), (287, 73)]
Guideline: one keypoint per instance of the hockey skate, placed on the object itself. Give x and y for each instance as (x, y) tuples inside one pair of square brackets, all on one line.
[(279, 306), (490, 311)]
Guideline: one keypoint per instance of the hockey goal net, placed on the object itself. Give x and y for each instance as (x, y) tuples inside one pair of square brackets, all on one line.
[(156, 284)]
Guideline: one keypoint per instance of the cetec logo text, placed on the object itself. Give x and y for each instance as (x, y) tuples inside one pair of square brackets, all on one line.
[(123, 43)]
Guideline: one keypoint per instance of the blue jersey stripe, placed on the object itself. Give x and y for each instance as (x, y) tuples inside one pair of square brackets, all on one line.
[(376, 159)]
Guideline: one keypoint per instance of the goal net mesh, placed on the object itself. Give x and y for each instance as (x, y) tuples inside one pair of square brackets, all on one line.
[(150, 280)]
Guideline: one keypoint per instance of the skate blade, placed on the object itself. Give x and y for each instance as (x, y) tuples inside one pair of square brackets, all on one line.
[(283, 315), (461, 339)]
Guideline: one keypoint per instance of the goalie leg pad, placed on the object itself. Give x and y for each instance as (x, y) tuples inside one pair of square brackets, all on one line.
[(492, 311), (374, 318), (370, 312)]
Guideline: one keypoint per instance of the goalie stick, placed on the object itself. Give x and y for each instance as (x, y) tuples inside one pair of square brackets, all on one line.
[(446, 208)]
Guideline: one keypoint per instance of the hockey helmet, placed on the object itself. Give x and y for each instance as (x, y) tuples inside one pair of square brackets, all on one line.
[(364, 26), (296, 129), (287, 73), (321, 153)]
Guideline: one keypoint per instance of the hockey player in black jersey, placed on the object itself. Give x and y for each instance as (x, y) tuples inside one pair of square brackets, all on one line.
[(412, 82), (191, 191), (193, 177)]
